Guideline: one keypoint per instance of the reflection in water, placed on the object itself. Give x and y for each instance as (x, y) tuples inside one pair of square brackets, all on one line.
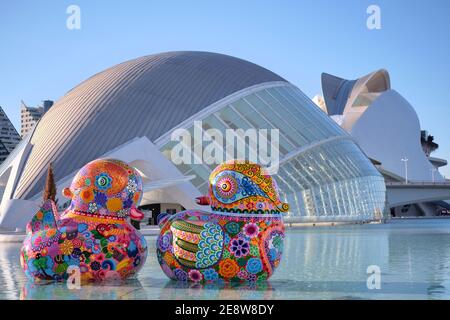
[(219, 290), (422, 252), (131, 289), (11, 273), (318, 263)]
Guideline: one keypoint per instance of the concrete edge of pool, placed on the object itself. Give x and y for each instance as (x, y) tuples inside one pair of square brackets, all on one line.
[(19, 236)]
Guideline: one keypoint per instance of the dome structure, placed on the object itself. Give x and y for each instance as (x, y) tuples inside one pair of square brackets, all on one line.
[(159, 91), (144, 100)]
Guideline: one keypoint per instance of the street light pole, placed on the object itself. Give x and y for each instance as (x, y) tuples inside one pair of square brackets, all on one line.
[(405, 160)]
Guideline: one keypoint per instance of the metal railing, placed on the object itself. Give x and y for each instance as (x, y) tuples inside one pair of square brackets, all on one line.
[(419, 183)]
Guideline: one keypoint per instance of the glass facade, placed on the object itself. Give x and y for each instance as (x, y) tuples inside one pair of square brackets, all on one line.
[(323, 175)]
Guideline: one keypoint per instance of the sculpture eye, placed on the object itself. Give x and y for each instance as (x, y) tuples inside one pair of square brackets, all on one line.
[(103, 181), (229, 187), (226, 186)]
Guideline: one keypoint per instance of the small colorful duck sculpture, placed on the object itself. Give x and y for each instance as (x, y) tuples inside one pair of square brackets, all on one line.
[(92, 233), (241, 239)]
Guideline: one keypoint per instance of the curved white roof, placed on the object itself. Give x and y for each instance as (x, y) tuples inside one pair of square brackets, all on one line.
[(146, 96)]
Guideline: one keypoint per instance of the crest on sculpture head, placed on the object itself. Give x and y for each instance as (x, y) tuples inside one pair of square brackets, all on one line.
[(244, 187)]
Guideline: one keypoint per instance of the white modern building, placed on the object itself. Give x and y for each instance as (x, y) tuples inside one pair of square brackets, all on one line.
[(29, 116), (388, 130), (130, 110), (9, 137)]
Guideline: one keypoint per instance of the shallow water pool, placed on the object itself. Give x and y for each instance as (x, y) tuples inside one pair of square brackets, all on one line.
[(319, 263)]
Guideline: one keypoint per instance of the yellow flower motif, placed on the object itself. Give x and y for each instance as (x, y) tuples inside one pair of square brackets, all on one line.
[(66, 247), (114, 204)]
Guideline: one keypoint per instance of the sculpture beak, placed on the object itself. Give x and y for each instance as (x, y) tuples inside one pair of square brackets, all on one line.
[(203, 200), (136, 214), (67, 193)]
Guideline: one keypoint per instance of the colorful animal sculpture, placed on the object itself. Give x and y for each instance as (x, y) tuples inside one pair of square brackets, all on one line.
[(92, 235), (240, 239)]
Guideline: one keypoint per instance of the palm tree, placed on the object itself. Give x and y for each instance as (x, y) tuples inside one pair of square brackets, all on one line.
[(428, 143)]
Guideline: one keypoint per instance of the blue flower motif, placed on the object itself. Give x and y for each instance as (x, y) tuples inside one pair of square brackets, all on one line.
[(181, 275), (82, 227), (103, 181), (164, 242), (127, 203), (254, 265), (100, 199), (232, 227), (48, 218), (210, 274)]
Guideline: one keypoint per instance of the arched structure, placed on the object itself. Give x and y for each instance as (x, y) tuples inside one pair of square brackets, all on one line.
[(388, 130), (130, 110)]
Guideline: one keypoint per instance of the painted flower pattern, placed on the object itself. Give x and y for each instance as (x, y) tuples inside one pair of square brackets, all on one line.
[(181, 274), (100, 199), (103, 181), (164, 243), (228, 268), (254, 265), (251, 230), (239, 239), (93, 207), (195, 275), (239, 247), (66, 247), (210, 274), (132, 186), (232, 227), (90, 233), (247, 251)]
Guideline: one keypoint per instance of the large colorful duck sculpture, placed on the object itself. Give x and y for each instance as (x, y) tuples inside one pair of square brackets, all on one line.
[(240, 239), (93, 234)]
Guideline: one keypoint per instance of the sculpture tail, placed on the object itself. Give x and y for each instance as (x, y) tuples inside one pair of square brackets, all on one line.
[(45, 218)]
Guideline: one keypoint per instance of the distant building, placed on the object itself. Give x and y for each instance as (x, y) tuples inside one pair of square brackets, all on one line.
[(386, 127), (29, 116), (9, 137)]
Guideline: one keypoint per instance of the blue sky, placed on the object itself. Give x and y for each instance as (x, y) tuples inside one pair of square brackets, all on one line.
[(41, 59)]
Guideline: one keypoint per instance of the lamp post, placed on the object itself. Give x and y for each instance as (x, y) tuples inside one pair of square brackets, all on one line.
[(405, 160)]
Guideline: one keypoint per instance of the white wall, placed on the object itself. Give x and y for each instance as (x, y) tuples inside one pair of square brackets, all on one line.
[(388, 131)]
